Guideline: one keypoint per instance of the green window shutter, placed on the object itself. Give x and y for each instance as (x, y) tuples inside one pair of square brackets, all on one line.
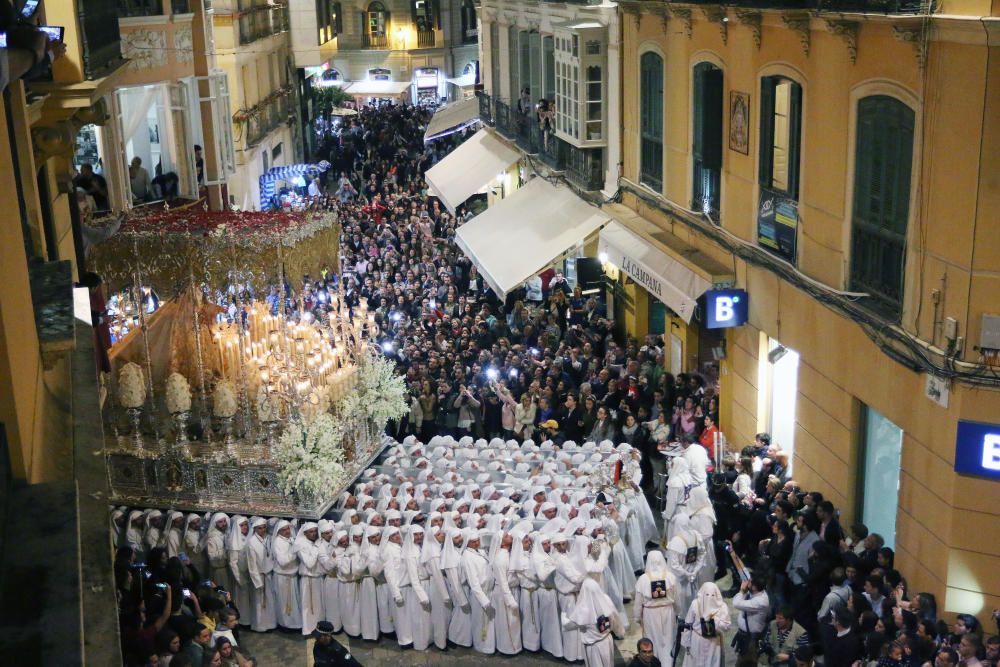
[(712, 120), (651, 119), (766, 143), (794, 140), (882, 174), (697, 115)]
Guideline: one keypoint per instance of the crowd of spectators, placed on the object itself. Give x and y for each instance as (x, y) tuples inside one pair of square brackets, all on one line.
[(552, 366)]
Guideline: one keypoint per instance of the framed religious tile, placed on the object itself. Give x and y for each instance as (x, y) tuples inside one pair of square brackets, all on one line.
[(739, 122)]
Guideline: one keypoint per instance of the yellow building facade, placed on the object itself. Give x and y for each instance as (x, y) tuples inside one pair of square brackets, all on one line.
[(845, 96)]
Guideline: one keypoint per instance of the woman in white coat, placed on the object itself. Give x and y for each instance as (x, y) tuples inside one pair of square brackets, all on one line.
[(707, 619), (460, 623), (655, 606), (441, 604), (594, 616)]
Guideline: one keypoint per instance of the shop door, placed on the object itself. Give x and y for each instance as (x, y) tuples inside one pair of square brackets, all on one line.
[(783, 381)]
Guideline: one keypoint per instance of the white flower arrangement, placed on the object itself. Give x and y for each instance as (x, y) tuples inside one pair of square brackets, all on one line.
[(131, 386), (379, 392), (311, 455), (268, 408), (178, 394), (224, 403)]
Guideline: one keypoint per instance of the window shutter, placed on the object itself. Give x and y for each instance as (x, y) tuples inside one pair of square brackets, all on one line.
[(697, 112), (766, 143), (882, 172), (712, 119), (795, 140)]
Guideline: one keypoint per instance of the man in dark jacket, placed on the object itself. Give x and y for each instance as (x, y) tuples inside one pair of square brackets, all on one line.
[(327, 652), (572, 420), (842, 645)]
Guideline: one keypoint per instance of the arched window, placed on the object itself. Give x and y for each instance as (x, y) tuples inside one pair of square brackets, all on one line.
[(883, 161), (706, 149), (651, 120), (377, 24), (470, 29), (424, 14)]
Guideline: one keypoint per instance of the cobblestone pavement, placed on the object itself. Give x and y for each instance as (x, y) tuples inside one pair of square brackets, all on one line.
[(281, 649)]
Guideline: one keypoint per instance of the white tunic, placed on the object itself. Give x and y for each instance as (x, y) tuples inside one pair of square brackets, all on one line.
[(568, 578), (479, 576), (332, 592), (549, 625), (657, 615), (507, 622), (703, 651), (259, 567), (286, 585), (310, 583), (350, 572), (441, 602), (460, 623)]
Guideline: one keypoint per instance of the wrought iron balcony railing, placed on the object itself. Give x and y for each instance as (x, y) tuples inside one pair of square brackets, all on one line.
[(486, 109), (262, 21), (269, 115), (377, 41), (426, 39)]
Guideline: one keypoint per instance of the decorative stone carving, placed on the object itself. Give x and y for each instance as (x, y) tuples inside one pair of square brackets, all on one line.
[(916, 36), (719, 16), (848, 31), (664, 13), (684, 14), (753, 20), (799, 23), (183, 45), (145, 49)]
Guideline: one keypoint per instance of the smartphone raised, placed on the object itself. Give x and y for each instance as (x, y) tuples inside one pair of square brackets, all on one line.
[(55, 32)]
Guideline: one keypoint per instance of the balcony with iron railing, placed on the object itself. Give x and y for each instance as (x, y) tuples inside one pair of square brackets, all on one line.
[(486, 109), (502, 113), (267, 116), (426, 39), (262, 21), (470, 36), (378, 41)]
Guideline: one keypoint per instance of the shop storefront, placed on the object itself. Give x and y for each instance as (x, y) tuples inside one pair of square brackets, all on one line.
[(426, 81), (656, 284)]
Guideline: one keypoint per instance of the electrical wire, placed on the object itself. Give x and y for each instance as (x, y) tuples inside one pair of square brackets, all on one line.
[(893, 341)]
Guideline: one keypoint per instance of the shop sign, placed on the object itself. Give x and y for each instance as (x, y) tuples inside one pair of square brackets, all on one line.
[(427, 78), (726, 308), (777, 224), (977, 449)]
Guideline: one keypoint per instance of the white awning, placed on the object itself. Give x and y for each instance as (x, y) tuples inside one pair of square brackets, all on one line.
[(470, 167), (663, 276), (463, 81), (373, 88), (527, 231), (452, 116)]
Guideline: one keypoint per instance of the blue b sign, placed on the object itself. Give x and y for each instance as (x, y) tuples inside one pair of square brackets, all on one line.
[(977, 449), (726, 308)]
